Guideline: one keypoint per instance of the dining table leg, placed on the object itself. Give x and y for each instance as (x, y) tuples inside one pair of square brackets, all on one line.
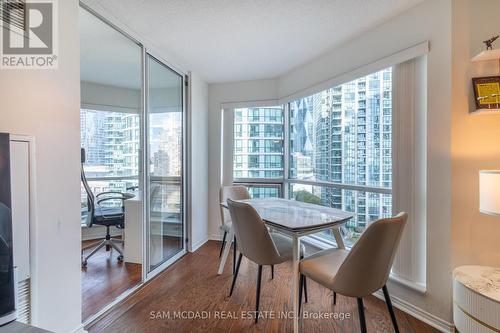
[(338, 237), (296, 278), (227, 248)]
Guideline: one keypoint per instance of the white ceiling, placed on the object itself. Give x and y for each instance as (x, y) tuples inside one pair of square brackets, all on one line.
[(234, 40)]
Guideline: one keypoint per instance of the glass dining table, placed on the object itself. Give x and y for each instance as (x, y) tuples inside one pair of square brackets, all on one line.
[(295, 219)]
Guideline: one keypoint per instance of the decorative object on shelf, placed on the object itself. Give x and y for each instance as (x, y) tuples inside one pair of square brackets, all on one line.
[(486, 89), (489, 192), (476, 299), (487, 92), (489, 42)]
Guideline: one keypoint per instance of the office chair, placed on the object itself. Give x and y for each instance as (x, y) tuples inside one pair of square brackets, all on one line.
[(103, 216)]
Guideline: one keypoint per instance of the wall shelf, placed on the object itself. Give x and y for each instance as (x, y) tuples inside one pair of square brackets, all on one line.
[(487, 55), (485, 111)]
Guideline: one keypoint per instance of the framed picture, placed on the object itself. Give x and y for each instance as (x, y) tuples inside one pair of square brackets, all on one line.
[(487, 92)]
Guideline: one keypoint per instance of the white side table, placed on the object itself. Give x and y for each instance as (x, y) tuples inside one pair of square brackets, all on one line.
[(476, 299)]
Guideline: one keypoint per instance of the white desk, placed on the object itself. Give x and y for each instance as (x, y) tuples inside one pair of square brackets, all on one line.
[(133, 230), (296, 219)]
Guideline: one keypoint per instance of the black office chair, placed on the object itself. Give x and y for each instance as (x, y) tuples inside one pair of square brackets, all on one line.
[(105, 216)]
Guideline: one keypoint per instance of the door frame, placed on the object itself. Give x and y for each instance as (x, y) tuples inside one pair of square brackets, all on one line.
[(145, 173), (146, 48)]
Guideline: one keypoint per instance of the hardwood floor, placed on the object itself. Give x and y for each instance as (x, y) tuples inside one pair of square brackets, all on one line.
[(104, 279), (192, 284)]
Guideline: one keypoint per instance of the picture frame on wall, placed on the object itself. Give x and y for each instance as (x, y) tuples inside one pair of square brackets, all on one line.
[(486, 92)]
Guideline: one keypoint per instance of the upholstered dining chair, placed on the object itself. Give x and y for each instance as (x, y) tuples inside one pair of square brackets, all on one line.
[(234, 193), (363, 270), (257, 244)]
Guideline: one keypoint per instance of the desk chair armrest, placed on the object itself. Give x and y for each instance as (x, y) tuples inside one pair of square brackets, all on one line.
[(111, 192), (104, 208)]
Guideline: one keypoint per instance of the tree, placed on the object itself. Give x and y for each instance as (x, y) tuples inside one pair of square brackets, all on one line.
[(308, 197)]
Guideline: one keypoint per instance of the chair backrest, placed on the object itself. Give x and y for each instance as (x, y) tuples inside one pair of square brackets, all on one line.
[(254, 240), (234, 193), (90, 195), (368, 265)]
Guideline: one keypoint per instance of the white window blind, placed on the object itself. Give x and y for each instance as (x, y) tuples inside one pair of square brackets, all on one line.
[(409, 169)]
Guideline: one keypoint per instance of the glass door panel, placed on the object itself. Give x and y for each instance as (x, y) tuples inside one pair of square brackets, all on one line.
[(165, 131)]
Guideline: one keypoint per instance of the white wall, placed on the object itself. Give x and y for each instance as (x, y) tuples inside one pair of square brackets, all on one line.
[(103, 97), (46, 104), (431, 20), (199, 162), (474, 137)]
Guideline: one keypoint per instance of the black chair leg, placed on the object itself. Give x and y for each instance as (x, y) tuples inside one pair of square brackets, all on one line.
[(362, 320), (301, 287), (334, 298), (235, 274), (272, 272), (234, 255), (259, 278), (222, 245), (305, 288), (391, 310)]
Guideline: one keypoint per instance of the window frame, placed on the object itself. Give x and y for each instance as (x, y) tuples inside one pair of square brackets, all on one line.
[(286, 181)]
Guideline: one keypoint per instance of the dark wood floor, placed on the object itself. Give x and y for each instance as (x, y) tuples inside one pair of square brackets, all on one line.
[(192, 284), (104, 279)]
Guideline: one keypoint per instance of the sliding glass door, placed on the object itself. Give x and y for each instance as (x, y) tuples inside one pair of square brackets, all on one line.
[(165, 144)]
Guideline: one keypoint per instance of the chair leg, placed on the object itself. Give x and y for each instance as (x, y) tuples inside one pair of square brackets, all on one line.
[(222, 245), (272, 272), (391, 310), (305, 288), (301, 288), (362, 320), (334, 298), (235, 274), (259, 278), (234, 255)]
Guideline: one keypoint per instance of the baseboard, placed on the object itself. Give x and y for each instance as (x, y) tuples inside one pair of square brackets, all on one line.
[(422, 315), (79, 329), (215, 237), (195, 246)]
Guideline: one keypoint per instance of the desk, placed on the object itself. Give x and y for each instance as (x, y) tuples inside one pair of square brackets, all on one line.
[(132, 233), (296, 219)]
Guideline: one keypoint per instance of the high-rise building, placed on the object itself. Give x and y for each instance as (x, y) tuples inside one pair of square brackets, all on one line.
[(112, 142), (258, 142), (343, 135)]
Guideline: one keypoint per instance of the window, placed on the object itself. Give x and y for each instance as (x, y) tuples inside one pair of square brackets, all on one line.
[(111, 142), (344, 145), (258, 143), (340, 150), (258, 160)]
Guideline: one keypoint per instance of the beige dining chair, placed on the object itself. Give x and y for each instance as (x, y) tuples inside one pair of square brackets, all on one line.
[(234, 193), (363, 270), (257, 244)]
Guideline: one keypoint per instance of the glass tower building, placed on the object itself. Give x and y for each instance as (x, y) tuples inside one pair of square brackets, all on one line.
[(343, 135)]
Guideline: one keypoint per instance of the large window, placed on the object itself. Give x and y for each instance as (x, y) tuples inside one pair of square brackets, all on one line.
[(340, 149)]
